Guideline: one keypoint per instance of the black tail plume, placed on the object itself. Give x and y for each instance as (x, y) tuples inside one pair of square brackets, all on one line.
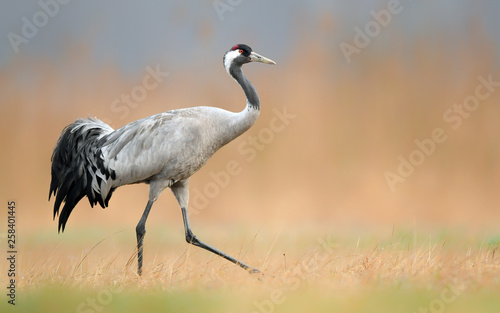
[(76, 159)]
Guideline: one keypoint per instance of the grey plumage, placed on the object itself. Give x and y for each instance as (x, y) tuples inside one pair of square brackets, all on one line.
[(164, 150)]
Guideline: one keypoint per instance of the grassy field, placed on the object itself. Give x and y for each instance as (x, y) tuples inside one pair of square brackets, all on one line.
[(402, 271)]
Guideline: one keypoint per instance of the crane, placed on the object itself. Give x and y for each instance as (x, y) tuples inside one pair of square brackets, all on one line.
[(163, 150)]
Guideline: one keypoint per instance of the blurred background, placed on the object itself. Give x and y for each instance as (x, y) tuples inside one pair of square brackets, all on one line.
[(356, 84)]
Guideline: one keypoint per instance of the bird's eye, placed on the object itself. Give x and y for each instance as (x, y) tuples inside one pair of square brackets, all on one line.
[(241, 51)]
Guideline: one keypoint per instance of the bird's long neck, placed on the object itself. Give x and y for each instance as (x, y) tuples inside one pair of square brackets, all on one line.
[(246, 118), (253, 101)]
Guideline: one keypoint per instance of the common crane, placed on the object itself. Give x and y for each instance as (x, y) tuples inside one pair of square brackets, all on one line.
[(164, 150)]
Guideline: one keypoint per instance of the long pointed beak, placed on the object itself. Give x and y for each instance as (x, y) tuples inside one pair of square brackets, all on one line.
[(255, 57)]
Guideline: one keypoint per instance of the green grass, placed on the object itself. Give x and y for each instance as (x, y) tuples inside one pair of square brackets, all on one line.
[(53, 298)]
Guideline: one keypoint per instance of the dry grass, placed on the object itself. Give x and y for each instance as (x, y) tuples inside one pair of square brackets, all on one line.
[(331, 270)]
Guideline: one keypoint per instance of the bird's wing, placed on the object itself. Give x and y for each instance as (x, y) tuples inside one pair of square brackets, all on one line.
[(142, 149)]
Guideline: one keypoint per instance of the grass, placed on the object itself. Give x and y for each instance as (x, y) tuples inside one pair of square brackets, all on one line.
[(133, 300), (403, 272)]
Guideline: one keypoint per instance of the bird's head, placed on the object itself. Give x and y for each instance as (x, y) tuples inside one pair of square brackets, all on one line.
[(240, 54)]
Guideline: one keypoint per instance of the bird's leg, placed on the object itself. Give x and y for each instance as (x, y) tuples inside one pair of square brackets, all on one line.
[(191, 238), (140, 231), (181, 192)]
